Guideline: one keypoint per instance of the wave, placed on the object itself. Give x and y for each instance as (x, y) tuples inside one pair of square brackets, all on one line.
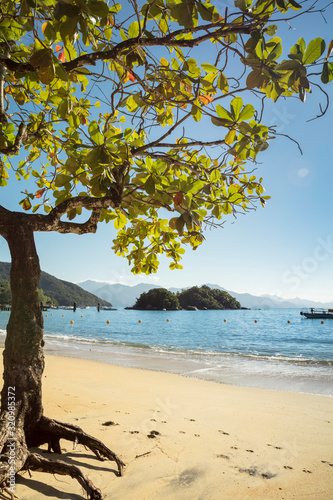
[(188, 353)]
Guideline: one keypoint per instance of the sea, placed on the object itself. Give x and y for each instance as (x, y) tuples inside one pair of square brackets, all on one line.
[(276, 349)]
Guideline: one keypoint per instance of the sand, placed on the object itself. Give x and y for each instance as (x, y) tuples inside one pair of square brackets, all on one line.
[(212, 441)]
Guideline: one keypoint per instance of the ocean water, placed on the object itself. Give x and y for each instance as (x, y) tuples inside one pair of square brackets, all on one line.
[(256, 348)]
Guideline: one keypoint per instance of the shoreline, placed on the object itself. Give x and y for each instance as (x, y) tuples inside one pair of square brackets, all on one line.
[(185, 438), (228, 369)]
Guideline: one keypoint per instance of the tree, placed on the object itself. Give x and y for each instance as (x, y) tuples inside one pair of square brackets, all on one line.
[(157, 298), (205, 297), (131, 163)]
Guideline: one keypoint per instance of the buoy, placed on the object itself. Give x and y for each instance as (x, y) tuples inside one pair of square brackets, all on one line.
[(81, 316), (255, 321), (225, 320), (71, 321), (288, 321), (108, 322), (63, 315), (51, 314), (45, 315), (322, 322), (167, 320), (139, 321)]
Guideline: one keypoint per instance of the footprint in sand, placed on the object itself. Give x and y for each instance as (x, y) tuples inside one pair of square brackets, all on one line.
[(307, 471), (197, 435), (153, 434), (250, 451), (234, 447), (182, 432), (287, 467), (225, 433)]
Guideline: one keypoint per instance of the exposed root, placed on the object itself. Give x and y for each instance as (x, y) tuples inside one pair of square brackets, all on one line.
[(38, 463), (51, 431)]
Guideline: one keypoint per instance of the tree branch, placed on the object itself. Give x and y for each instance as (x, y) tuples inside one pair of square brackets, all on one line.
[(170, 40)]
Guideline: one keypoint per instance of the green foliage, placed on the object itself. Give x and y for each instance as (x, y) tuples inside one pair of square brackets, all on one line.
[(5, 293), (127, 159), (157, 298), (200, 297), (207, 298), (52, 290)]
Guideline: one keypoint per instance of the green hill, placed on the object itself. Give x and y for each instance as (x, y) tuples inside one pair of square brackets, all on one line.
[(64, 292)]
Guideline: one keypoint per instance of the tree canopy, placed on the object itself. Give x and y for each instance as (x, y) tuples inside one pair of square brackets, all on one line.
[(157, 298), (96, 100), (205, 297)]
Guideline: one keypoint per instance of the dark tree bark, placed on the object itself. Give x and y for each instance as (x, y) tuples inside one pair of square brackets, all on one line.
[(22, 422)]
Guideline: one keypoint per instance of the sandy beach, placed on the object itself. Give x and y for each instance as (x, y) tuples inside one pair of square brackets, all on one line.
[(185, 439)]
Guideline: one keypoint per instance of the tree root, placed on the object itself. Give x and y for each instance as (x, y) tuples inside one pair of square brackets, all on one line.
[(51, 431), (38, 463)]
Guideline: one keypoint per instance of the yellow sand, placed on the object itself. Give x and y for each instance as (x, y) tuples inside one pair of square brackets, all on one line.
[(216, 442)]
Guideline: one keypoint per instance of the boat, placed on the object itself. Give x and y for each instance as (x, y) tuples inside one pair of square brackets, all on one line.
[(318, 313)]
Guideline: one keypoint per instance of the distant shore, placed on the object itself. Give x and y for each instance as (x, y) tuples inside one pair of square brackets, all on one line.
[(185, 438)]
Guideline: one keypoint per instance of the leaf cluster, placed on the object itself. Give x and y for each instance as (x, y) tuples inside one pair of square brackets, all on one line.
[(98, 99)]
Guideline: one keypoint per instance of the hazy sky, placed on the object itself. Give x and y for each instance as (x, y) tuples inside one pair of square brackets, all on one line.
[(284, 249)]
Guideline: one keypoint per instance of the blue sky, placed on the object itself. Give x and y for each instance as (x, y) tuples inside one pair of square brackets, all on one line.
[(285, 248)]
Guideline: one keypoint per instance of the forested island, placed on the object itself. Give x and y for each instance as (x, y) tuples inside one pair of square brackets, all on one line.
[(193, 298)]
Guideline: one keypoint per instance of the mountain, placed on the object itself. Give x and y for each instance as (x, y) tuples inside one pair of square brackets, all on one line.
[(119, 295), (125, 296), (63, 291)]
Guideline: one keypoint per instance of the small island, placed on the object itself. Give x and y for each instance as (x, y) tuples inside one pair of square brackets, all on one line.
[(195, 298)]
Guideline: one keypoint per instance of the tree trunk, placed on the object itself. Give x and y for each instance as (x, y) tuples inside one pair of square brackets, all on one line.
[(23, 354), (22, 423)]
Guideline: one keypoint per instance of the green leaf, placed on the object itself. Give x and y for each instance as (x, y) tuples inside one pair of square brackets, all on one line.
[(62, 180), (294, 5), (314, 50), (41, 58), (236, 105), (288, 65), (327, 73), (209, 68), (247, 112), (196, 112), (223, 113), (95, 133), (253, 79), (98, 8), (133, 30), (46, 74), (150, 185)]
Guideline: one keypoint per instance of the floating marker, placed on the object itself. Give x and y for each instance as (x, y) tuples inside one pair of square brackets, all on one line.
[(139, 321), (288, 321), (255, 321), (108, 322), (225, 320), (71, 322), (63, 315), (45, 315), (322, 322), (167, 320), (81, 316)]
